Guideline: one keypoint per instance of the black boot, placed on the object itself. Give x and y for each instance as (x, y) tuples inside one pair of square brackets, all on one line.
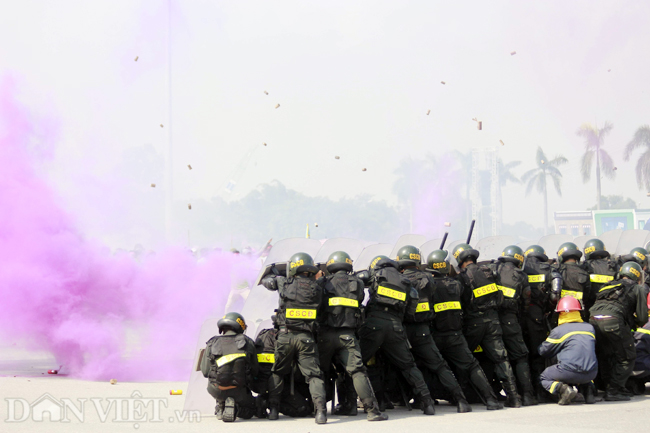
[(522, 371), (218, 410), (274, 413), (374, 414), (229, 410), (321, 412), (461, 402), (346, 409), (260, 407), (480, 381), (509, 385), (566, 393), (427, 406)]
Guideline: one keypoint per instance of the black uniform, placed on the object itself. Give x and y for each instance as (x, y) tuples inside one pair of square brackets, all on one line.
[(537, 307), (481, 299), (513, 282), (337, 341), (418, 331), (391, 296), (619, 307), (575, 282), (230, 363), (300, 303), (447, 330), (601, 273)]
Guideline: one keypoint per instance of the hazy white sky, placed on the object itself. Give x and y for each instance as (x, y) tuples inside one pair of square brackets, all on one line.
[(354, 79)]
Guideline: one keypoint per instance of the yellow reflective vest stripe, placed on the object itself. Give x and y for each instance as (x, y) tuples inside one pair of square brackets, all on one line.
[(595, 278), (537, 278), (444, 306), (422, 306), (229, 358), (268, 358), (390, 293), (577, 295), (345, 302), (296, 313), (507, 291), (569, 334), (484, 290)]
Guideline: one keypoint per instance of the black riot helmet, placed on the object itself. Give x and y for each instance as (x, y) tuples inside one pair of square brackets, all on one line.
[(376, 260), (568, 250), (301, 262), (640, 256), (232, 322), (339, 261), (595, 249), (631, 270), (513, 254), (537, 252), (408, 255), (437, 261), (463, 252)]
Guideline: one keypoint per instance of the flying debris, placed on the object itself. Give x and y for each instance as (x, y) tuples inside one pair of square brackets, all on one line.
[(615, 168), (315, 224), (136, 58), (153, 185), (189, 206), (513, 53), (447, 224), (264, 144), (543, 162), (609, 70), (363, 169), (161, 125), (502, 143), (337, 157), (443, 82), (266, 93), (479, 125), (277, 106), (189, 166), (648, 194), (428, 111)]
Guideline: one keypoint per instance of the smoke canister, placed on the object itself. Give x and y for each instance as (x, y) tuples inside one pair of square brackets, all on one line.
[(52, 371), (176, 392)]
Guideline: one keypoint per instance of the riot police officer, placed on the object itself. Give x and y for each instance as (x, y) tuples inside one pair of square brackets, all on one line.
[(418, 326), (391, 297), (513, 282), (575, 280), (300, 301), (447, 327), (537, 307), (343, 294), (600, 268), (619, 307), (481, 299), (230, 363)]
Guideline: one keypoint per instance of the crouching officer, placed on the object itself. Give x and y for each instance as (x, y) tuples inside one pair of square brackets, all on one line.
[(573, 342), (418, 326), (481, 299), (300, 301), (447, 327), (619, 307), (641, 373), (230, 363), (391, 297), (337, 341)]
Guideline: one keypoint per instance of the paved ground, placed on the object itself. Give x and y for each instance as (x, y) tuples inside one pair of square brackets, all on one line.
[(139, 414)]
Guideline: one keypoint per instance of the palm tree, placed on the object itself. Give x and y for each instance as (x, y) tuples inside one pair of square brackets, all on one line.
[(537, 178), (641, 139), (505, 176), (593, 146)]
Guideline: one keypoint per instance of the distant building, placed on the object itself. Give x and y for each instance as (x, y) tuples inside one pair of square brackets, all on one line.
[(597, 222)]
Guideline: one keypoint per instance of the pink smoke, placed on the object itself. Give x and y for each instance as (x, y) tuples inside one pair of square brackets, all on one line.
[(102, 316)]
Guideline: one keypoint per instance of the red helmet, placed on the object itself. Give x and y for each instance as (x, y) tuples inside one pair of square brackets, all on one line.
[(568, 303), (648, 300)]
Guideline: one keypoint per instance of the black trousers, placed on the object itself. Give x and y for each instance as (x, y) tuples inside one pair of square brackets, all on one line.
[(615, 350), (388, 333), (243, 399)]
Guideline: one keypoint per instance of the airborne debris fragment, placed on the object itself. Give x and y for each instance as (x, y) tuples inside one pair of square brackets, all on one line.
[(277, 106), (266, 93), (447, 224), (363, 169), (189, 206), (443, 82), (543, 161), (428, 111), (337, 157), (502, 143), (615, 168), (136, 58), (113, 381), (264, 144), (315, 224), (189, 166), (609, 70), (153, 185), (161, 125), (513, 53), (479, 125)]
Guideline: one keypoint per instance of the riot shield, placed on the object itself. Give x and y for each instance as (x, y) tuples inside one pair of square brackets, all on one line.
[(630, 239), (368, 253), (610, 239), (197, 397), (551, 243), (492, 246), (429, 246), (409, 239), (351, 246), (580, 241)]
